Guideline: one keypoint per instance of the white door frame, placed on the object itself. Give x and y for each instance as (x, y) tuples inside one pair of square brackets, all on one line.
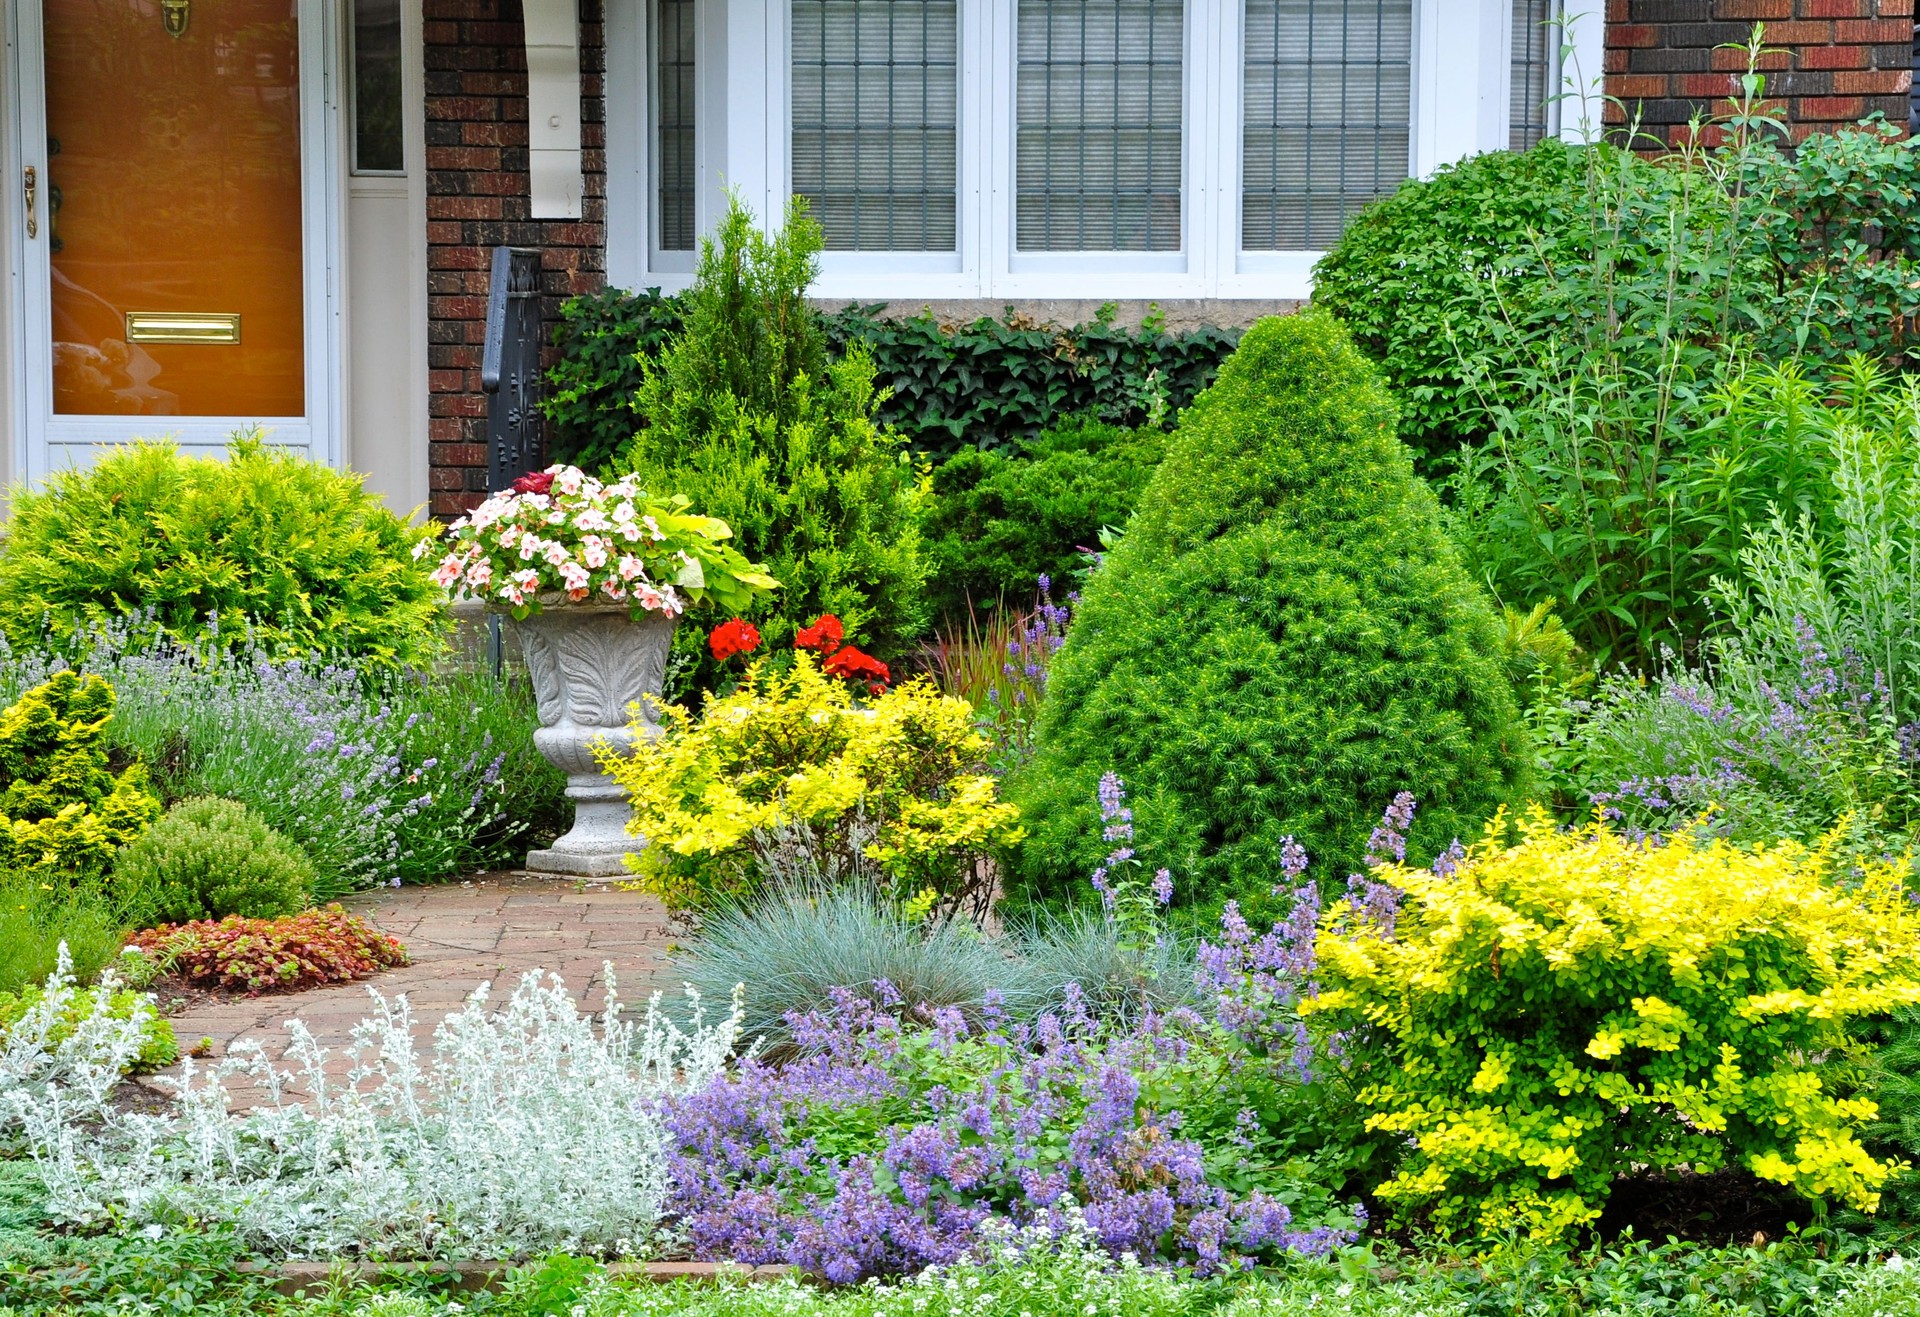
[(45, 442)]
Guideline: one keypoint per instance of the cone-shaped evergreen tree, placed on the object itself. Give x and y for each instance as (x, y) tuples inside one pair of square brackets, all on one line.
[(1283, 639)]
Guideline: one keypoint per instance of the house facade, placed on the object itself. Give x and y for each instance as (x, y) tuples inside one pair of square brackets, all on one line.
[(281, 212)]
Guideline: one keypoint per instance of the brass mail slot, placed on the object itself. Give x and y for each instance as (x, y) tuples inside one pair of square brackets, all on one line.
[(182, 327)]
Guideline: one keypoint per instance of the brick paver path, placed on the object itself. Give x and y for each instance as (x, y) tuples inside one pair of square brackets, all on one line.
[(492, 928)]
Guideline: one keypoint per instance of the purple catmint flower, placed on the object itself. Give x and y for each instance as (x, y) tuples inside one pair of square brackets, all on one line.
[(1162, 886), (1293, 860), (1388, 844)]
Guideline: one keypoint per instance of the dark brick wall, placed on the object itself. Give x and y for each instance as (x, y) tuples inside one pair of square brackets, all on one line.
[(477, 198), (1830, 62)]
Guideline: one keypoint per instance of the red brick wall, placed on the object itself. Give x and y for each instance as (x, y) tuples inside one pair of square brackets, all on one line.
[(1831, 62), (477, 198)]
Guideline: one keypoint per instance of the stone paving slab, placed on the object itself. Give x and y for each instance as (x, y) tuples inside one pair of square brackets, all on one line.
[(492, 928)]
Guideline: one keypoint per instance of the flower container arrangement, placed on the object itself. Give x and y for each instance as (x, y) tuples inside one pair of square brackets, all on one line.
[(595, 577)]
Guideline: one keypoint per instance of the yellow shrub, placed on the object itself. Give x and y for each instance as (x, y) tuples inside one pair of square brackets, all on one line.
[(788, 775), (1553, 1015)]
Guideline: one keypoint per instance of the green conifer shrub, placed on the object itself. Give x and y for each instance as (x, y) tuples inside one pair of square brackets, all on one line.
[(210, 858), (63, 808), (1000, 521), (294, 553), (1283, 639), (745, 415)]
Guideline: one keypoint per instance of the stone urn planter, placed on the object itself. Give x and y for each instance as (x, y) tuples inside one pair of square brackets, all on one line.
[(589, 664)]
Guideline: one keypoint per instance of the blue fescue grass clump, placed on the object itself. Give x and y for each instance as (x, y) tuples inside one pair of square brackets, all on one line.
[(380, 776)]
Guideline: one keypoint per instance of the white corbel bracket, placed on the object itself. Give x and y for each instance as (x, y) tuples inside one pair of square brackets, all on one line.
[(553, 107)]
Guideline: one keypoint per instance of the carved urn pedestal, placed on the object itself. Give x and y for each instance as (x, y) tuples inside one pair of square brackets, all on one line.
[(590, 663)]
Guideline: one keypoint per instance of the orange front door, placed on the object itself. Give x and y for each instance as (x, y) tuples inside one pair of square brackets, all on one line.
[(174, 208)]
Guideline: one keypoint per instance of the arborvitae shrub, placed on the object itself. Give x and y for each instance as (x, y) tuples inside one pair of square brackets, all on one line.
[(999, 521), (746, 416), (63, 808), (299, 553), (1282, 641), (210, 858)]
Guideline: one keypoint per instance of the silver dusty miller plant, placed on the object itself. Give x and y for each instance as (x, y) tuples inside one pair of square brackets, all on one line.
[(66, 1082), (524, 1130)]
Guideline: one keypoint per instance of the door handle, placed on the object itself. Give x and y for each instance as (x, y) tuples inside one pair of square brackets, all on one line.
[(33, 191)]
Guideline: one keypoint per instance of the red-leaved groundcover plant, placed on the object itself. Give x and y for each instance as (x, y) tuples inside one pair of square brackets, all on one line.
[(256, 955)]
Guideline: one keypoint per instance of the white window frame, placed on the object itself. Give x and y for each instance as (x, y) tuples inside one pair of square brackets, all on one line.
[(743, 140)]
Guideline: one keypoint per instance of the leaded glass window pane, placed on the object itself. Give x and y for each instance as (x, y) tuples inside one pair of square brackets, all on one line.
[(1100, 85), (875, 99), (1328, 101)]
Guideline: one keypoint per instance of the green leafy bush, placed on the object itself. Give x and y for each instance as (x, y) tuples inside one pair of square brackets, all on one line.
[(210, 858), (157, 1050), (1000, 521), (1456, 282), (992, 384), (1281, 642), (745, 416), (1411, 276), (63, 808), (265, 543), (1541, 1020), (997, 384)]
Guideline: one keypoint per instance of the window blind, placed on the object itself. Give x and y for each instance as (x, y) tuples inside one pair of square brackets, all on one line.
[(1536, 73), (875, 86), (1098, 155), (673, 124), (1328, 99)]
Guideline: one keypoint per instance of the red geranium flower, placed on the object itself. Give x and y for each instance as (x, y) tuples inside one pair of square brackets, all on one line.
[(540, 482), (853, 665), (824, 635), (737, 636)]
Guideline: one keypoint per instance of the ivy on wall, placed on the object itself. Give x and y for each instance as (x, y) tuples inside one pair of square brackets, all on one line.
[(992, 384)]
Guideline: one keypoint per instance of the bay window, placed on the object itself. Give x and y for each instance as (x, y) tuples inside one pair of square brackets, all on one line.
[(1056, 149)]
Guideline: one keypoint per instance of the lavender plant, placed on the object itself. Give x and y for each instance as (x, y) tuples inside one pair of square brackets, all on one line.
[(529, 1128), (379, 777)]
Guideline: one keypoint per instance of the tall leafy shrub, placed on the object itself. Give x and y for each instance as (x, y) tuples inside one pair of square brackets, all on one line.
[(746, 416), (302, 554), (1282, 641), (1415, 271)]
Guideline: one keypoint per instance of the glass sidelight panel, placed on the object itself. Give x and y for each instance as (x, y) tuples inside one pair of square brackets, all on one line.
[(379, 131), (174, 208)]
